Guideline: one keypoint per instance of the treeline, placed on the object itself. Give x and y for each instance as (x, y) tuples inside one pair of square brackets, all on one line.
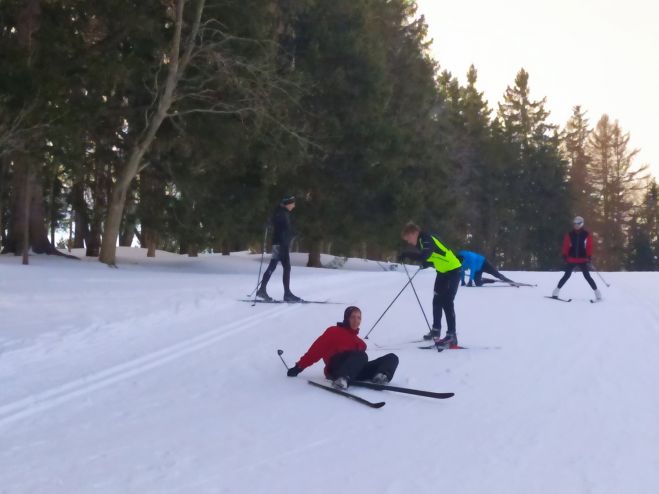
[(182, 123)]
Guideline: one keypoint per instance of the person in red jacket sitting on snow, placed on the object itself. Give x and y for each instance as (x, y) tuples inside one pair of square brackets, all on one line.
[(577, 253), (344, 354)]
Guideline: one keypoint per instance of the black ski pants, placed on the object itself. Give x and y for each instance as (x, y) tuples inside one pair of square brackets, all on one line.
[(354, 365), (281, 254), (489, 269), (446, 287), (583, 266)]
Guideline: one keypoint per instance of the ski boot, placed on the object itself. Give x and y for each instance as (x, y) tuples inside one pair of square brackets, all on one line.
[(263, 294), (432, 334), (340, 383), (289, 297), (380, 378), (450, 340)]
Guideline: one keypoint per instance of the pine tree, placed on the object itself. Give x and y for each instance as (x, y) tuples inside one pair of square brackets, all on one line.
[(574, 144), (644, 233), (615, 182), (538, 197)]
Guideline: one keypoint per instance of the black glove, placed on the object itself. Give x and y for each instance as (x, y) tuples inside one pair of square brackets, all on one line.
[(425, 265), (293, 371)]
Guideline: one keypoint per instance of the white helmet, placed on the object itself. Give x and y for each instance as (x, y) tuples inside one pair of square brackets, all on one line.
[(578, 221)]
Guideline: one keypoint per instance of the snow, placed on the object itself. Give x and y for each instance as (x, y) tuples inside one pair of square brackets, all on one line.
[(155, 378)]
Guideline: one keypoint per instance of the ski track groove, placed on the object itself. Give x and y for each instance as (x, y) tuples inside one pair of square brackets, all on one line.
[(45, 400)]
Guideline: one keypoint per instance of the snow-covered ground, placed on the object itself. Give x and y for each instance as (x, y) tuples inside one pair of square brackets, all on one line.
[(154, 379)]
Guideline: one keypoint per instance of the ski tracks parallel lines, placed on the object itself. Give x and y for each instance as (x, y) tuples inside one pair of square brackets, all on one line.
[(45, 400)]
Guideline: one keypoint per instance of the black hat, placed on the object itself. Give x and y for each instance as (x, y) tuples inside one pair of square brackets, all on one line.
[(287, 200), (346, 316)]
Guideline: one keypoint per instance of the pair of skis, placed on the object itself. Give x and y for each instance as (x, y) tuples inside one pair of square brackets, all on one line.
[(378, 387), (592, 301), (273, 301)]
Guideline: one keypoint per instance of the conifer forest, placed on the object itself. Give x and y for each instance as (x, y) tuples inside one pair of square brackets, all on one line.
[(179, 125)]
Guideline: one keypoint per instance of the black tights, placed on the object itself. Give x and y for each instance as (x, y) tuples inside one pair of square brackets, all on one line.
[(446, 287), (282, 255), (584, 269), (354, 365)]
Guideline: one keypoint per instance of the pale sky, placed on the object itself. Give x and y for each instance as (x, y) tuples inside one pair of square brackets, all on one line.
[(600, 54)]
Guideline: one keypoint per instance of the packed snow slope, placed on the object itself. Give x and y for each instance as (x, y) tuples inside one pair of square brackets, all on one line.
[(155, 379)]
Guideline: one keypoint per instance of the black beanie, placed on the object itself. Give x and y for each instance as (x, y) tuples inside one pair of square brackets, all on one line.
[(346, 316), (287, 200)]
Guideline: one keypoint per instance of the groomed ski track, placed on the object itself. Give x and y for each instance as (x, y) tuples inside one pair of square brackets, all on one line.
[(154, 379)]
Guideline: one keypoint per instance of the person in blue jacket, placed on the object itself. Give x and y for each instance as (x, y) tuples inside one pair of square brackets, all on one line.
[(477, 265)]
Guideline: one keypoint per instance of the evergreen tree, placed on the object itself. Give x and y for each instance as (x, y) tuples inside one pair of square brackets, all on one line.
[(574, 144), (538, 201), (644, 233), (615, 182)]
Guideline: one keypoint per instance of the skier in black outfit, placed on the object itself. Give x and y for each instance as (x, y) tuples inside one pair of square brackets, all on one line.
[(281, 240)]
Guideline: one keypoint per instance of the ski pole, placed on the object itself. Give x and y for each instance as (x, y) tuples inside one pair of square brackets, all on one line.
[(598, 274), (417, 296), (280, 353), (258, 278), (392, 303)]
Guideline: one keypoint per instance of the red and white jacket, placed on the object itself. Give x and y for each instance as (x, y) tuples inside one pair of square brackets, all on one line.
[(335, 339)]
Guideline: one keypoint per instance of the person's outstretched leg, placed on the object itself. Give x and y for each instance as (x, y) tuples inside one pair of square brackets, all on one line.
[(346, 366), (566, 276), (489, 269), (385, 366), (262, 291)]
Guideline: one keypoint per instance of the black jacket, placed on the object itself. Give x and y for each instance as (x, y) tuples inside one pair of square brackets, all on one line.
[(282, 230)]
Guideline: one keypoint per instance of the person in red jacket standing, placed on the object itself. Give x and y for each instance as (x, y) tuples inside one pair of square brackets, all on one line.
[(577, 253), (344, 354)]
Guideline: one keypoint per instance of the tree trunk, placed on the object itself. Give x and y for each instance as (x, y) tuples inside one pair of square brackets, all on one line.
[(314, 255), (193, 250), (80, 215), (27, 227), (93, 240), (151, 241), (27, 197), (3, 180), (164, 102)]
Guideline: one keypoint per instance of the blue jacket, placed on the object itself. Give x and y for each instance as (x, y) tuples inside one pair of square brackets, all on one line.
[(472, 261)]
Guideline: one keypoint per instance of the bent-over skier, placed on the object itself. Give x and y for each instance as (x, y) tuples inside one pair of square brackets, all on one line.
[(344, 354), (477, 265), (432, 252)]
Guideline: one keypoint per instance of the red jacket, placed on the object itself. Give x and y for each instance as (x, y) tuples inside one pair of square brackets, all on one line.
[(335, 339), (577, 246)]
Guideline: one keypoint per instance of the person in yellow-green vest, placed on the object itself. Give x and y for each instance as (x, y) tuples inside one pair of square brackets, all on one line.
[(432, 252)]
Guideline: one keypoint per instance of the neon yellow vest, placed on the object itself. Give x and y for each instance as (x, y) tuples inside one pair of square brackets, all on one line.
[(442, 264)]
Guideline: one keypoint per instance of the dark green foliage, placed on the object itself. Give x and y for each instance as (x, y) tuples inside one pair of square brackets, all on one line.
[(337, 102)]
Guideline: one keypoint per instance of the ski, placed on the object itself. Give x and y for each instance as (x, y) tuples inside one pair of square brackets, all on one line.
[(259, 301), (559, 299), (458, 347), (398, 389), (358, 399), (517, 284)]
